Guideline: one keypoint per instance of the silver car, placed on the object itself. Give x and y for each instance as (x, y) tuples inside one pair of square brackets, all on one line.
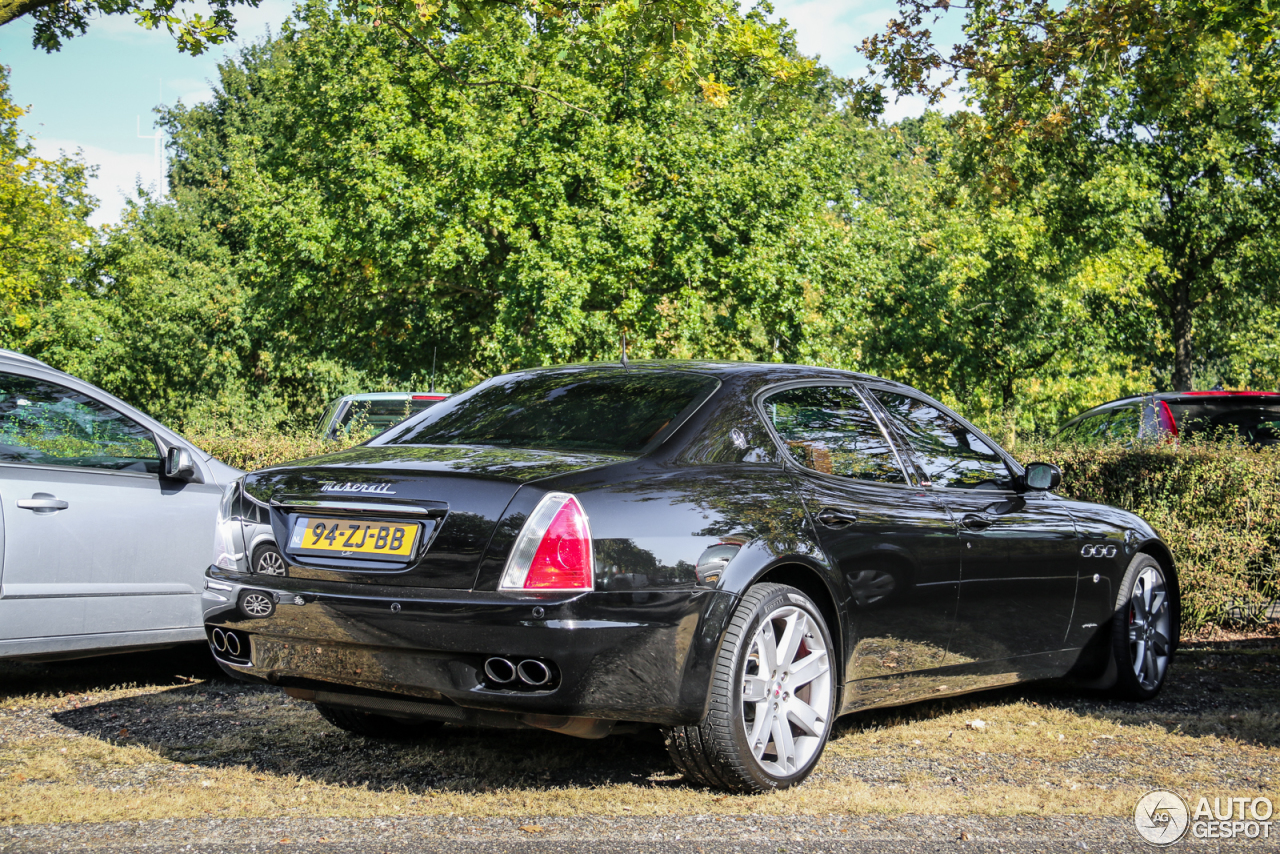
[(106, 517)]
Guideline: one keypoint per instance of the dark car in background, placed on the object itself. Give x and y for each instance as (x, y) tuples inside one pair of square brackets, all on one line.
[(374, 410), (1253, 416), (735, 553)]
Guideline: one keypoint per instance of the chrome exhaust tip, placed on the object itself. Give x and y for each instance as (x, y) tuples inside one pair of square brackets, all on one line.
[(499, 670), (219, 640), (534, 672), (233, 644)]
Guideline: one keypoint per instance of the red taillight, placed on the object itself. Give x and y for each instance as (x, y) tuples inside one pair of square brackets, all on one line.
[(1167, 423), (553, 551), (430, 396)]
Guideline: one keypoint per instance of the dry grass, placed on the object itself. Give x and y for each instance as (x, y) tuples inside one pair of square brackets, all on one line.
[(123, 738)]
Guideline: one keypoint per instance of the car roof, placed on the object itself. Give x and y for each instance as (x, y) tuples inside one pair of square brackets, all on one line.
[(392, 395), (780, 371), (15, 356), (1240, 396)]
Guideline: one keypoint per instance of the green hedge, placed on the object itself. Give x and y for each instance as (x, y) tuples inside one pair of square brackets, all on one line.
[(1217, 506)]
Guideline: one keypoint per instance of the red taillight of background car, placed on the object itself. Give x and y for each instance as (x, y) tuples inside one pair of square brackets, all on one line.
[(1167, 422), (553, 551)]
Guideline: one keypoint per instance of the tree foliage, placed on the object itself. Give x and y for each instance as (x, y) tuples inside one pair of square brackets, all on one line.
[(44, 205), (1148, 129)]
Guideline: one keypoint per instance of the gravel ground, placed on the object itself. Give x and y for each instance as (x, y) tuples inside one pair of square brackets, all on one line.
[(704, 834), (116, 738)]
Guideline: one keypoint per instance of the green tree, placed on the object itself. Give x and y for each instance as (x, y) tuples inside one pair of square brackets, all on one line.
[(44, 205), (387, 214), (1140, 127)]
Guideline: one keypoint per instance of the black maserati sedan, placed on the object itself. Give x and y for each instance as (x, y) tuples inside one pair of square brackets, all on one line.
[(734, 553)]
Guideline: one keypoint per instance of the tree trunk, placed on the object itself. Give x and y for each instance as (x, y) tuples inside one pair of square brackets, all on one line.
[(12, 9), (1182, 336)]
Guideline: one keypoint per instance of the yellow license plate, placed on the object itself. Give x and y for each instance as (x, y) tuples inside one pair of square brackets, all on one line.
[(352, 538)]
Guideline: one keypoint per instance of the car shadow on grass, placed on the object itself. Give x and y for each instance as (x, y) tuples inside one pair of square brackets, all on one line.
[(223, 724), (1215, 689), (1222, 688)]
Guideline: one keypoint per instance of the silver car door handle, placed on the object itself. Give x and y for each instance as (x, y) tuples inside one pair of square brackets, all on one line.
[(42, 503)]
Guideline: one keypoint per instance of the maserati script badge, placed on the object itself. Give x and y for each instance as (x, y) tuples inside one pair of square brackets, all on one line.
[(375, 488)]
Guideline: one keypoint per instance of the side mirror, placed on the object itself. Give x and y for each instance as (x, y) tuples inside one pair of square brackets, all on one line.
[(1041, 476), (178, 465)]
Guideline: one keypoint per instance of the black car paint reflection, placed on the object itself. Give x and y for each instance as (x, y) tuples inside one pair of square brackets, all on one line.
[(927, 591)]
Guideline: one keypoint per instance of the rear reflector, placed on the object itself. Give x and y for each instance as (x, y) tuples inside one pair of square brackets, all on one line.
[(553, 551)]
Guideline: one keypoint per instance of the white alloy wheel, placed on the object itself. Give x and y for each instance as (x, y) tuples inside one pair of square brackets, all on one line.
[(786, 691)]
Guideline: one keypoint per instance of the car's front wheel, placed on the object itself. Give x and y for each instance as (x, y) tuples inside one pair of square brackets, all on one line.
[(1144, 633), (773, 697)]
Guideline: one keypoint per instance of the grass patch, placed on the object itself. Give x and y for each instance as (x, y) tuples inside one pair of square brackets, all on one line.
[(131, 739)]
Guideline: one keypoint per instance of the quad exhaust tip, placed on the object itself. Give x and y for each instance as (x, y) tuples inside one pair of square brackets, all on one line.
[(530, 672), (500, 670), (227, 642), (534, 672)]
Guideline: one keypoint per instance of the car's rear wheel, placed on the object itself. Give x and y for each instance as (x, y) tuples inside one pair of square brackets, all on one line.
[(377, 726), (773, 697), (1144, 633)]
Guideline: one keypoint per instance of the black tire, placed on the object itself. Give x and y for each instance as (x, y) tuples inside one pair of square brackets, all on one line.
[(1151, 637), (718, 751), (377, 726)]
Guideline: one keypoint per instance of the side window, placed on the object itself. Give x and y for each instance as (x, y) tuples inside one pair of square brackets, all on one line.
[(1091, 429), (48, 424), (1124, 423), (950, 454), (828, 429)]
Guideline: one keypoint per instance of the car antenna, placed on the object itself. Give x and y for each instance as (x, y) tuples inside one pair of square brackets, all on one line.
[(432, 389), (624, 351)]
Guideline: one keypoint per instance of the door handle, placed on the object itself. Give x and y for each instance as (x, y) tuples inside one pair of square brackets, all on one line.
[(42, 502), (974, 522), (836, 519)]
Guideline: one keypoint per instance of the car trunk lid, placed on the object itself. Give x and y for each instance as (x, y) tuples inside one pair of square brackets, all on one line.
[(442, 502)]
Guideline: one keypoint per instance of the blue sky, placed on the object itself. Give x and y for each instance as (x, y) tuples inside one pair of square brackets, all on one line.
[(94, 93)]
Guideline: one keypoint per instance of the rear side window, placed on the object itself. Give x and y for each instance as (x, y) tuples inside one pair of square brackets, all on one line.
[(48, 424), (380, 414), (950, 454), (619, 412), (829, 429)]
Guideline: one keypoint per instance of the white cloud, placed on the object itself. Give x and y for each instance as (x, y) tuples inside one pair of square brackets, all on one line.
[(118, 174), (833, 29)]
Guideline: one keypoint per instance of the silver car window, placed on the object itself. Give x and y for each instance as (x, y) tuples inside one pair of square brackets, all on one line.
[(48, 424)]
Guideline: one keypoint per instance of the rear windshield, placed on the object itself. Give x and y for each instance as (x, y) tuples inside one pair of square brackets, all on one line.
[(622, 412), (381, 414), (1257, 424)]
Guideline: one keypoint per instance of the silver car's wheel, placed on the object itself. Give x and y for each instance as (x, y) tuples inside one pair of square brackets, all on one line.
[(269, 562), (773, 697), (786, 691), (1145, 633)]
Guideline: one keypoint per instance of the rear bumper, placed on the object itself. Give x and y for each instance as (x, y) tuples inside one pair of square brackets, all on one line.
[(641, 655)]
